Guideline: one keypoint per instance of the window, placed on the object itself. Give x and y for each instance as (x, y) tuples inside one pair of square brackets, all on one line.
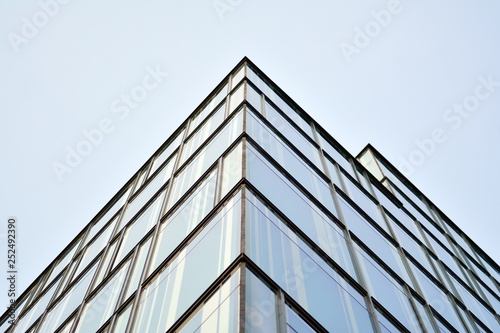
[(196, 266), (220, 313)]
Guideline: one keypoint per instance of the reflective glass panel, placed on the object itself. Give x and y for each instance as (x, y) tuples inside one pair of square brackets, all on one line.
[(374, 240), (296, 138), (260, 309), (305, 277), (97, 310), (220, 313), (36, 310), (184, 220), (231, 169), (165, 154), (238, 76), (67, 304), (326, 235), (139, 228), (236, 98), (209, 107), (387, 291), (94, 248), (136, 271), (122, 319), (205, 158), (192, 271), (295, 324), (290, 161), (146, 194), (197, 140)]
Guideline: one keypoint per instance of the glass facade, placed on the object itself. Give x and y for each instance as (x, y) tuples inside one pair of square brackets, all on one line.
[(251, 218)]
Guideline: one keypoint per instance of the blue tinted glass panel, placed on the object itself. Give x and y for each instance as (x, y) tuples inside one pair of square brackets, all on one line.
[(197, 265), (139, 228), (202, 134), (260, 310), (220, 313), (102, 305), (296, 138), (69, 303), (205, 158), (305, 276), (387, 291), (296, 324), (184, 220)]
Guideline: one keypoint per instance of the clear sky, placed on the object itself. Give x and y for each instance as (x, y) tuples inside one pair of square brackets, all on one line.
[(420, 80)]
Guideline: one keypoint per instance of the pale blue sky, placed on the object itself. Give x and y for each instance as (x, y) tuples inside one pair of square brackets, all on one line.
[(389, 89)]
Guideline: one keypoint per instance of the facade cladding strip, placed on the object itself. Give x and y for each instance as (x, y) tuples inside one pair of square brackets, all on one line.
[(251, 218)]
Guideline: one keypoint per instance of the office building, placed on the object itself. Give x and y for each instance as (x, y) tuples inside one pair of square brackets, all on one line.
[(252, 218)]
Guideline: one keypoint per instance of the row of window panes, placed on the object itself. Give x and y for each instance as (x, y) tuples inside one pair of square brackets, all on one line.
[(205, 158), (289, 161), (462, 244), (302, 274), (280, 103), (133, 279), (208, 108), (299, 209)]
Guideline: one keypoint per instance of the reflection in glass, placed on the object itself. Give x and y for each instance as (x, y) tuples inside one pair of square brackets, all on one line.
[(139, 228), (202, 134), (260, 308), (205, 158), (192, 271), (184, 220), (305, 276), (102, 305), (67, 304), (220, 313)]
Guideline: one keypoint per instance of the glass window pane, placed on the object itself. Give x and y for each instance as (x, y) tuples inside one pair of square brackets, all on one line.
[(387, 291), (236, 98), (94, 248), (260, 311), (238, 76), (340, 158), (295, 324), (135, 273), (305, 276), (62, 263), (122, 320), (374, 240), (139, 228), (254, 98), (231, 169), (97, 310), (166, 152), (220, 313), (198, 118), (206, 158), (198, 139), (69, 303), (296, 138), (184, 220), (36, 310), (148, 192), (327, 236), (365, 203), (104, 266), (436, 298), (192, 271), (108, 215)]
